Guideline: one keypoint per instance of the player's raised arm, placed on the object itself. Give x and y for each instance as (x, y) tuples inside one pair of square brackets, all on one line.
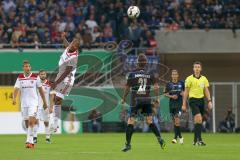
[(65, 41)]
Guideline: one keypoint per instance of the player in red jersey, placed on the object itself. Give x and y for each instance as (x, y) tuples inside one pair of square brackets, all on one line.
[(65, 77), (28, 83)]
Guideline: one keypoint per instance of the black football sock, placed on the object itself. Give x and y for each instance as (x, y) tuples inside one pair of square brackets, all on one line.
[(195, 133), (155, 130), (199, 131), (129, 132), (175, 132), (178, 131)]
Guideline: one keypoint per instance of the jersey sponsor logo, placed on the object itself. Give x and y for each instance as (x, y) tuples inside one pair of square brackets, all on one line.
[(27, 87), (141, 75)]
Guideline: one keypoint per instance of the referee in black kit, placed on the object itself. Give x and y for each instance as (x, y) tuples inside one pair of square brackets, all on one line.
[(196, 88)]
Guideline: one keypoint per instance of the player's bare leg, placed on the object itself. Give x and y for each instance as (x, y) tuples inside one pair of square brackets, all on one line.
[(198, 130), (153, 127), (35, 131), (57, 114), (47, 131), (31, 123), (129, 132), (177, 130)]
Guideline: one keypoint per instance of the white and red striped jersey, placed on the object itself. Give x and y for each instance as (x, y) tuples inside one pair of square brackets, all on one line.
[(28, 87), (68, 59), (46, 88)]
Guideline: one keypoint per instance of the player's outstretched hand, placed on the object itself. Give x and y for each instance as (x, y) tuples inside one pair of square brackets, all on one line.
[(51, 109), (46, 110), (184, 107), (14, 102), (53, 86), (123, 101), (45, 106), (63, 35), (174, 97), (210, 106)]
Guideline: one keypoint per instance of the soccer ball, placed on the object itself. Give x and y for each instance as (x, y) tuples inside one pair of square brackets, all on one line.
[(133, 12)]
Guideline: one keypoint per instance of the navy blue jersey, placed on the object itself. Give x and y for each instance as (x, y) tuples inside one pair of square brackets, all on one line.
[(175, 89), (140, 82)]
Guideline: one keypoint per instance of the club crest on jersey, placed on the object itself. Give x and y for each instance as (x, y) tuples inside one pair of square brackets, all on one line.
[(202, 85)]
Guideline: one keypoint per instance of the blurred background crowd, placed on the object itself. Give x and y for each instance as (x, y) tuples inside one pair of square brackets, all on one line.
[(35, 22)]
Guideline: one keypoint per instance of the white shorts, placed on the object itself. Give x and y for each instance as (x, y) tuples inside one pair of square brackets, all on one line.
[(43, 115), (29, 112), (63, 89)]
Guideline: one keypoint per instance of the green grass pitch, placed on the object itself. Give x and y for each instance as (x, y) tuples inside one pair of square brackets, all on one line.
[(108, 146)]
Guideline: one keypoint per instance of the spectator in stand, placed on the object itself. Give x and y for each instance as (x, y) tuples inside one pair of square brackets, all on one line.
[(23, 39), (38, 17), (95, 121), (134, 33), (95, 34), (206, 122), (87, 38), (8, 5), (122, 30), (150, 43), (228, 124), (100, 40), (91, 23), (108, 33)]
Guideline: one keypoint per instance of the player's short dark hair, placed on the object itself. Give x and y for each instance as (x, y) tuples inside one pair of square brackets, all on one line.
[(142, 60), (197, 62), (78, 41), (25, 62), (174, 70), (42, 70)]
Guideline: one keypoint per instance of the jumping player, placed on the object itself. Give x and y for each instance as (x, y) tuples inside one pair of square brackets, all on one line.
[(65, 78), (140, 82)]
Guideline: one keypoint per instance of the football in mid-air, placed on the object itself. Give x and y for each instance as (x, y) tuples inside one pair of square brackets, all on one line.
[(133, 12)]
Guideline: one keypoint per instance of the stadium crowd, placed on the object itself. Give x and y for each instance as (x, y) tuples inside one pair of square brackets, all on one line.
[(35, 22)]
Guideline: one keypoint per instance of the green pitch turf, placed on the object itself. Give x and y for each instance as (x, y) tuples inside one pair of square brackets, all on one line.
[(108, 146)]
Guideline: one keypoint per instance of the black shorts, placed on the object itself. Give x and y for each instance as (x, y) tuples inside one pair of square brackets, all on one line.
[(141, 108), (175, 109), (197, 105)]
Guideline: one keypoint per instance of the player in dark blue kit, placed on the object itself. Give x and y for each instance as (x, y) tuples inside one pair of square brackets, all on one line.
[(174, 91), (139, 84)]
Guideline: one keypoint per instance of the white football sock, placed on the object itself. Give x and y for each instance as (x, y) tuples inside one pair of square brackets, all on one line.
[(47, 131), (57, 114), (30, 135), (35, 130)]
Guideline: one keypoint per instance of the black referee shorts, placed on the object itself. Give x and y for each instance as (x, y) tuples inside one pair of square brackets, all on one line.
[(197, 105)]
